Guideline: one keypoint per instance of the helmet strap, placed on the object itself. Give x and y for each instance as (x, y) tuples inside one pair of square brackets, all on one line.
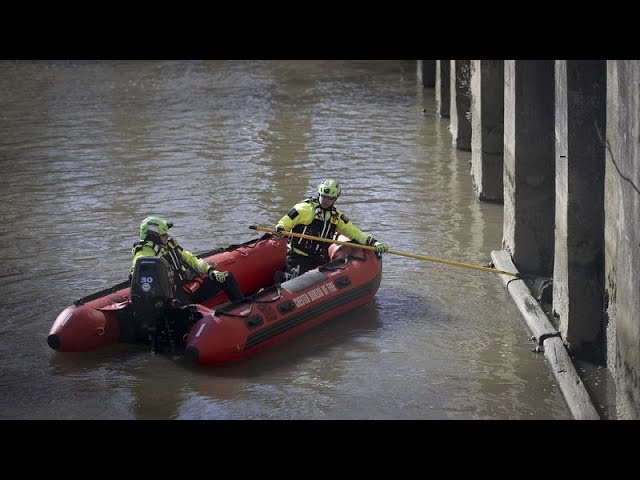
[(153, 237)]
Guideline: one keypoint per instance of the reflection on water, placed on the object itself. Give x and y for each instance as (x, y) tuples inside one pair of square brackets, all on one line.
[(88, 149)]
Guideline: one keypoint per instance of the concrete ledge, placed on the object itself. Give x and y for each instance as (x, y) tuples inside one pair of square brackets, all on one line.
[(548, 338)]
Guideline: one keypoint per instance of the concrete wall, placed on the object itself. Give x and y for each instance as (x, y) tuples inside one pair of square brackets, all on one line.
[(623, 175), (487, 128), (529, 167)]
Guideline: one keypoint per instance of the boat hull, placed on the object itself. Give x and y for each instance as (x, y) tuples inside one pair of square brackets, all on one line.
[(217, 331), (234, 332)]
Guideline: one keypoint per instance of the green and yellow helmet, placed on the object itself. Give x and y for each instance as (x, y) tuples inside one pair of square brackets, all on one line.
[(154, 225), (329, 188)]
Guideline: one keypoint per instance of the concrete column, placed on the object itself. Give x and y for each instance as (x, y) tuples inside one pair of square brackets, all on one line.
[(460, 110), (487, 128), (623, 167), (611, 202), (529, 182), (443, 88), (427, 73), (578, 284)]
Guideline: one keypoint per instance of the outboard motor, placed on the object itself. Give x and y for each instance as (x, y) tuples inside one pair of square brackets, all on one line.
[(152, 297)]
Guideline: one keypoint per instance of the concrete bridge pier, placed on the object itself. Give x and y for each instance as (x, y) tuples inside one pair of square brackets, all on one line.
[(427, 73), (487, 128), (571, 194), (460, 110), (580, 123), (529, 182), (443, 88)]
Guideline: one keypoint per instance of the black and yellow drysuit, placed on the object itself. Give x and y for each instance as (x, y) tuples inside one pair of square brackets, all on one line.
[(187, 267), (309, 218)]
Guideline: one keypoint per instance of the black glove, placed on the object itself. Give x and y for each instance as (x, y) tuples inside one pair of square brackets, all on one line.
[(381, 247), (217, 275), (278, 233)]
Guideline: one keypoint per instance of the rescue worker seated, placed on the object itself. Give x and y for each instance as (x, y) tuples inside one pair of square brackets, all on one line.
[(155, 241)]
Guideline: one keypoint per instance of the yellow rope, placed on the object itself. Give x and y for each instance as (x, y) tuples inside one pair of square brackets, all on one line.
[(395, 252)]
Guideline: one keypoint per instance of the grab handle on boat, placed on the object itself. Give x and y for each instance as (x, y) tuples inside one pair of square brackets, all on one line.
[(395, 252)]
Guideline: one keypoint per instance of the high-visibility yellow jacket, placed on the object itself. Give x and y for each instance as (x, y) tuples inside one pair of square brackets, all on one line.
[(309, 218), (185, 265)]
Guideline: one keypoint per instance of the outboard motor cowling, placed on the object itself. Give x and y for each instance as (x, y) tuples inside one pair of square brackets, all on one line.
[(152, 283), (152, 295)]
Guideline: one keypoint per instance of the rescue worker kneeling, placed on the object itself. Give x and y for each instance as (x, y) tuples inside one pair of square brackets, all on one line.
[(317, 216), (191, 284)]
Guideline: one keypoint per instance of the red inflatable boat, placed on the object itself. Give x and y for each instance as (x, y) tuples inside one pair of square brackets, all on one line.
[(217, 331)]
